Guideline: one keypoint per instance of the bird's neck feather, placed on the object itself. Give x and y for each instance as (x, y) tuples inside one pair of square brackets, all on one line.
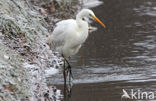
[(83, 28), (79, 21)]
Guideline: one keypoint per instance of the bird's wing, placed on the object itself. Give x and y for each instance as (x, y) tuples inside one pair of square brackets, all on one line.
[(60, 33)]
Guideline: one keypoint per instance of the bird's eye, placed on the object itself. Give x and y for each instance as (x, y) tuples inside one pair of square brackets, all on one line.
[(90, 15), (83, 19)]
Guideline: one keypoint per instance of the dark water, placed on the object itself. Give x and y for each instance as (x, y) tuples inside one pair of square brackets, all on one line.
[(123, 56)]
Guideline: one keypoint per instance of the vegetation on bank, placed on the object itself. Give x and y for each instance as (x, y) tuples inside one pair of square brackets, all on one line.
[(25, 57)]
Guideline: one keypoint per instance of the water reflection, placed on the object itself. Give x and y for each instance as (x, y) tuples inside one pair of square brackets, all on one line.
[(108, 91), (123, 56)]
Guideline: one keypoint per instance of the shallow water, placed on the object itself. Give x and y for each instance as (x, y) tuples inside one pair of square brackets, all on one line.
[(122, 56)]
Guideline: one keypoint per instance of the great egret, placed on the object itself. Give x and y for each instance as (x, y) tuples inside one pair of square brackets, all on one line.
[(69, 35)]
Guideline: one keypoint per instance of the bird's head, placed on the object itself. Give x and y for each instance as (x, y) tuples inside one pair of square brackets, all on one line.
[(89, 14)]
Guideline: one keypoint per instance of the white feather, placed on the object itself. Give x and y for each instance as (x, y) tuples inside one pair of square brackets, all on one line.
[(69, 35)]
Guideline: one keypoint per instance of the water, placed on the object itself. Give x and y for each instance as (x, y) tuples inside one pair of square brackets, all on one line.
[(123, 56)]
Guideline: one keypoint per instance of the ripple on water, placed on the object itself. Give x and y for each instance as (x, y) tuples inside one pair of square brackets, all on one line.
[(129, 59)]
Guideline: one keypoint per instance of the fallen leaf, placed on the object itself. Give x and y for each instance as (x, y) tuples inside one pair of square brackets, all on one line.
[(8, 88), (52, 8)]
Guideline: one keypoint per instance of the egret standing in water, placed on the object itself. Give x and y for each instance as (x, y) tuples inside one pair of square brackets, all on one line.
[(70, 34)]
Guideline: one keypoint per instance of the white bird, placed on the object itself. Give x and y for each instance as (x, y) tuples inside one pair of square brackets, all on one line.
[(70, 34)]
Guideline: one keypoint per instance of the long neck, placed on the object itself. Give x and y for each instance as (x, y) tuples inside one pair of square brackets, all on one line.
[(79, 20)]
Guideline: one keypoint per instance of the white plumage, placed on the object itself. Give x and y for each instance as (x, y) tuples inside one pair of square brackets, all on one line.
[(69, 35)]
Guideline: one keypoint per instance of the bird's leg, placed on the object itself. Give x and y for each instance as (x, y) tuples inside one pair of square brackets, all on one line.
[(64, 72), (69, 70)]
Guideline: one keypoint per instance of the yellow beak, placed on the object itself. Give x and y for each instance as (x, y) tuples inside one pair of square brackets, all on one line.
[(95, 18)]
